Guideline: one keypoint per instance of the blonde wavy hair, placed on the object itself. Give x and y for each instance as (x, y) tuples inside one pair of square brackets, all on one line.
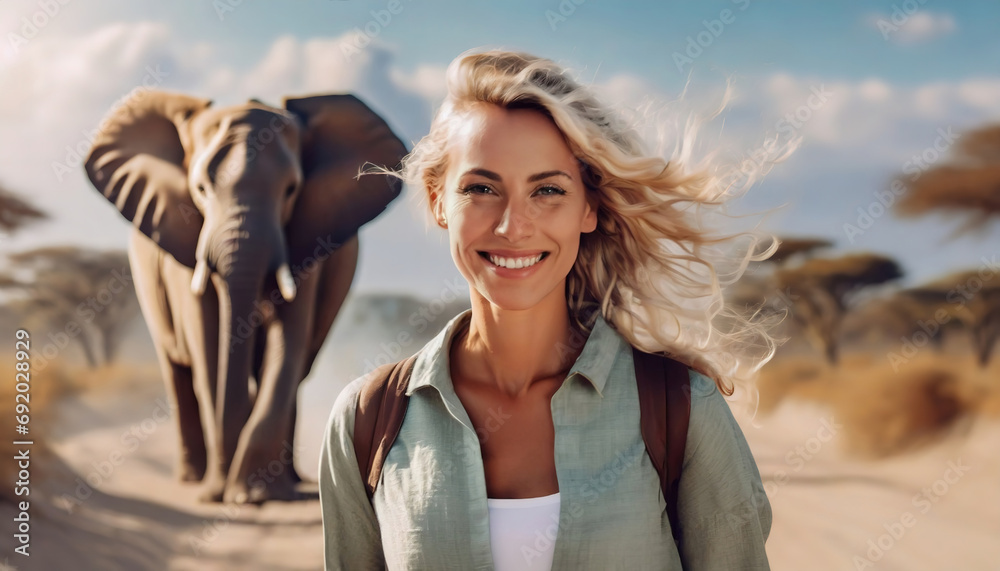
[(650, 267)]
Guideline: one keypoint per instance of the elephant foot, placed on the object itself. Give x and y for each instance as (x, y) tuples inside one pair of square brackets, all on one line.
[(187, 472), (213, 490), (279, 489)]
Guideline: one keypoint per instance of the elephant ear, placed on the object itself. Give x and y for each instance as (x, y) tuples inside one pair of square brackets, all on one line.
[(137, 163), (341, 134)]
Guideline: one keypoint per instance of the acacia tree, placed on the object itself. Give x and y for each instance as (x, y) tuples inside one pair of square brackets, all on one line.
[(86, 294), (967, 186), (969, 297), (758, 292), (821, 290), (906, 316), (15, 212)]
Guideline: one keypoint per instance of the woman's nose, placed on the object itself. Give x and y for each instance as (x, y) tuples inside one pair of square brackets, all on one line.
[(516, 221)]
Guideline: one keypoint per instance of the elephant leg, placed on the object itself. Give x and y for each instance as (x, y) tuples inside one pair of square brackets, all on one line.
[(213, 484), (335, 281), (200, 315), (261, 468), (254, 476), (181, 394), (146, 260)]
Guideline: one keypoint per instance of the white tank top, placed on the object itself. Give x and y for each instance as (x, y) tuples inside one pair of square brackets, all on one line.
[(523, 532)]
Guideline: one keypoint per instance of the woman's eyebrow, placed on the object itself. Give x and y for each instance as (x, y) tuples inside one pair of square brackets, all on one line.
[(494, 176)]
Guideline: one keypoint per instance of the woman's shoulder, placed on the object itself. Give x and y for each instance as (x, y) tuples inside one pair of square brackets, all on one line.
[(344, 407), (711, 425), (702, 386)]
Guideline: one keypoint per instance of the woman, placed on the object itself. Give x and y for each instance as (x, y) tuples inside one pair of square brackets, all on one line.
[(521, 446)]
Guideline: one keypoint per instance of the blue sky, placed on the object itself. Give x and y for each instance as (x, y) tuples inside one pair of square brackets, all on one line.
[(637, 37), (892, 90)]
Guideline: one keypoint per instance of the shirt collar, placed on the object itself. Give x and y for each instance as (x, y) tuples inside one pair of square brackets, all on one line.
[(594, 363)]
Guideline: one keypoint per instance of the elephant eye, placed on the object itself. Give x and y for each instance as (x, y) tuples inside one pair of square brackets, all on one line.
[(289, 190)]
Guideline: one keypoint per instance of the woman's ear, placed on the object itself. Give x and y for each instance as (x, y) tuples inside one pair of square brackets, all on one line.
[(590, 216), (589, 192), (437, 208)]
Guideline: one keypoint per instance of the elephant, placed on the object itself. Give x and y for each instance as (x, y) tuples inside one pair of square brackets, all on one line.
[(225, 202)]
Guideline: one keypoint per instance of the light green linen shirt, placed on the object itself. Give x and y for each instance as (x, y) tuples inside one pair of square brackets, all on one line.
[(430, 510)]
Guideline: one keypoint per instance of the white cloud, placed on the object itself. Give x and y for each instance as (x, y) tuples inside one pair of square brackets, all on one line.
[(869, 113), (427, 80), (916, 27), (60, 86)]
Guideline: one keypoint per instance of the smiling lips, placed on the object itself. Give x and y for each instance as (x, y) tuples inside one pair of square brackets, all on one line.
[(513, 260)]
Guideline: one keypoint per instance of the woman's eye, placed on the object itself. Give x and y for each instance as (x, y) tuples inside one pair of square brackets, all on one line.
[(554, 191), (475, 188)]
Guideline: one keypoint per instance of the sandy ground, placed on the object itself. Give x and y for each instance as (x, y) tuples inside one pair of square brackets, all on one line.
[(113, 502), (935, 509)]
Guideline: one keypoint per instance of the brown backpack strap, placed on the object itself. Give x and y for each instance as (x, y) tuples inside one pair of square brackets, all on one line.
[(664, 411), (379, 415)]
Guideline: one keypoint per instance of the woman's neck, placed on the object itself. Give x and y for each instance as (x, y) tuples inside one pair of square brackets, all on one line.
[(511, 349)]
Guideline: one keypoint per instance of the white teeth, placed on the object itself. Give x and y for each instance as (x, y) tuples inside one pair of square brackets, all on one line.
[(515, 263)]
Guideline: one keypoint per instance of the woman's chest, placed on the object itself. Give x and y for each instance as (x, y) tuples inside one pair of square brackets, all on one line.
[(516, 439), (432, 498)]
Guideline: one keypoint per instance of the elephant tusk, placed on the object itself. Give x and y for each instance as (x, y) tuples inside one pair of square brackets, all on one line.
[(285, 282), (200, 279)]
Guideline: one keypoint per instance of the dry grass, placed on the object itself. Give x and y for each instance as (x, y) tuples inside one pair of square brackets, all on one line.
[(47, 386), (44, 387), (887, 412)]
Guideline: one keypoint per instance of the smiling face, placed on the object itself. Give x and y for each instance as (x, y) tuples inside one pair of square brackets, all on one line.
[(514, 205)]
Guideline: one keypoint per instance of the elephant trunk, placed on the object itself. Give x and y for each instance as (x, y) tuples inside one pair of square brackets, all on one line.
[(242, 258)]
